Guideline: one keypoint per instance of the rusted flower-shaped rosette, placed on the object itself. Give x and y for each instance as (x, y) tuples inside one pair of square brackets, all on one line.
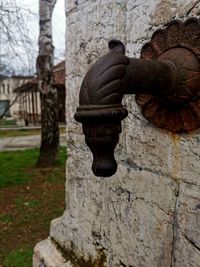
[(178, 43)]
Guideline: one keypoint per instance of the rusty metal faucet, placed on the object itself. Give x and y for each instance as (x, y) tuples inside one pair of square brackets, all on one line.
[(166, 81)]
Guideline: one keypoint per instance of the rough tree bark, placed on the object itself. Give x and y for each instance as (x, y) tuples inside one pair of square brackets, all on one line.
[(48, 92)]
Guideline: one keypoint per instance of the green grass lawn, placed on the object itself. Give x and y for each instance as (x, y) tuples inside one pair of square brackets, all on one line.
[(29, 199), (19, 258), (6, 123), (15, 165), (23, 132), (19, 132)]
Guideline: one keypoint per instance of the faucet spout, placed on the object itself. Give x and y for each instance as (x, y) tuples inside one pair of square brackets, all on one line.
[(102, 90), (100, 109)]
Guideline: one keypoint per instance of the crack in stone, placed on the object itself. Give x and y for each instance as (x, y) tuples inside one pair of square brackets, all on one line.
[(124, 265), (118, 227), (190, 183), (193, 244), (175, 225), (133, 197), (132, 165), (193, 6), (73, 10)]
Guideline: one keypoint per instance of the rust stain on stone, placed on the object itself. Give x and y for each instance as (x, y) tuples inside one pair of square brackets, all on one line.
[(176, 159), (163, 12)]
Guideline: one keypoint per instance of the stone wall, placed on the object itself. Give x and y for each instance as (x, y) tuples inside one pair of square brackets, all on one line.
[(148, 213)]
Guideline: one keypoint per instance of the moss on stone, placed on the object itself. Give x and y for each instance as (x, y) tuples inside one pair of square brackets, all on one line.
[(79, 261)]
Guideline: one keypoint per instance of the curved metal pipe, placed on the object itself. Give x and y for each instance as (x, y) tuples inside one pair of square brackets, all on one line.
[(101, 95)]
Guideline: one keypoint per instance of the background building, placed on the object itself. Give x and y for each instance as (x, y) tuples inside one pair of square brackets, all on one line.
[(23, 96), (8, 97)]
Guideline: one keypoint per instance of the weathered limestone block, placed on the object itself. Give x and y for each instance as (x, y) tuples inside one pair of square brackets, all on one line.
[(187, 226), (47, 254), (148, 213)]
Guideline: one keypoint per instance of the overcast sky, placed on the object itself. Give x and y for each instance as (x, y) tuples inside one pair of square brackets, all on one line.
[(27, 55), (58, 21)]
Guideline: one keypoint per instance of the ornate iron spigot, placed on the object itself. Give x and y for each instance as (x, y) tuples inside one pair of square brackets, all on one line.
[(166, 82)]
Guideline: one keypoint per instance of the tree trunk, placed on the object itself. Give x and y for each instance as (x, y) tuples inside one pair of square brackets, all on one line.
[(48, 92)]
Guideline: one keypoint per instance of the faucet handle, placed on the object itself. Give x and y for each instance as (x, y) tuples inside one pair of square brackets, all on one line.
[(116, 46)]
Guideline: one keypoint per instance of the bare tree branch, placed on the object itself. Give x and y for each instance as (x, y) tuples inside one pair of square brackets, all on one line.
[(15, 36)]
